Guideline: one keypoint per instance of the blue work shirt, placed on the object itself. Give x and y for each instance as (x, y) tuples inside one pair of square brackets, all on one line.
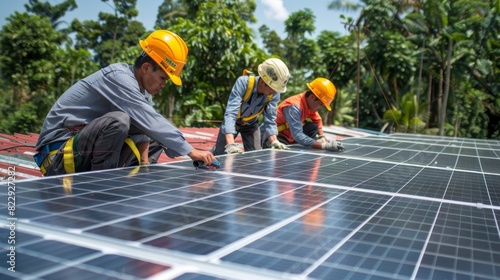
[(250, 107)]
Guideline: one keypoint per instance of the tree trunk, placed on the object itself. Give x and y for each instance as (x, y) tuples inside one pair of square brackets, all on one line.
[(429, 97), (446, 88), (440, 100)]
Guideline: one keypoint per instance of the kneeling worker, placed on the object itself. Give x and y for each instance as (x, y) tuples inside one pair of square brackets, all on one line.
[(250, 97), (105, 118), (298, 119)]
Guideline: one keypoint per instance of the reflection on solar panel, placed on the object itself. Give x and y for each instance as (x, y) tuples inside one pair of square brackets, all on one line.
[(397, 207)]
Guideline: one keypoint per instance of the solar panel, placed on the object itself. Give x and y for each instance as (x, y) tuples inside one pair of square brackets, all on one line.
[(402, 206)]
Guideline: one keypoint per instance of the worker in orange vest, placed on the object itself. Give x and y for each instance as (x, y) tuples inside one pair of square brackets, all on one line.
[(298, 119)]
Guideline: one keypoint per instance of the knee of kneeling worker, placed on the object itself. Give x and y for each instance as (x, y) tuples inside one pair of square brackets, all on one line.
[(310, 129), (119, 120)]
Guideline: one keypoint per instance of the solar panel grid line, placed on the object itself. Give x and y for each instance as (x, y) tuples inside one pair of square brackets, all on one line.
[(422, 252), (463, 159), (376, 191), (161, 209), (254, 177), (131, 216), (448, 236), (463, 241), (384, 241), (487, 188), (63, 263), (248, 239), (150, 254), (207, 219), (321, 260), (382, 192), (174, 273)]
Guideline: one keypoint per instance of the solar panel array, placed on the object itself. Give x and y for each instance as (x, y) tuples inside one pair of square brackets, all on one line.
[(399, 207)]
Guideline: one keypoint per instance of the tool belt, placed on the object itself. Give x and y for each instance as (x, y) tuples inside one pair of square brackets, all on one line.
[(71, 156), (44, 158)]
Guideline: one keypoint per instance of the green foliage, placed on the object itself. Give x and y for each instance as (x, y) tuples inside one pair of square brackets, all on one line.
[(220, 46), (343, 109), (54, 12), (27, 55), (409, 116), (24, 120), (404, 47), (112, 33)]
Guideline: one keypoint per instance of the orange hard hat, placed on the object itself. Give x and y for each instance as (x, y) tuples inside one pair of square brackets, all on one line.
[(168, 50), (324, 91)]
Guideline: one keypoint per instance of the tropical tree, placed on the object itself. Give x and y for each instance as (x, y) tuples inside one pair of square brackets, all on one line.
[(28, 52), (111, 33), (220, 46), (54, 12), (407, 116)]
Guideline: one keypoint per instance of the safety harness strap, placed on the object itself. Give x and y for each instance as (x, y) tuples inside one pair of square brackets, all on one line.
[(248, 93), (69, 156), (251, 82), (72, 158), (285, 125), (134, 149)]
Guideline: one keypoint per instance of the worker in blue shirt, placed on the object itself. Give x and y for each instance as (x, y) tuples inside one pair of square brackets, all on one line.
[(250, 97)]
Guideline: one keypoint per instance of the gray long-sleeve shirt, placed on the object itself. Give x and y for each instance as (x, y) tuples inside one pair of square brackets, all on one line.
[(292, 115), (251, 106), (113, 88)]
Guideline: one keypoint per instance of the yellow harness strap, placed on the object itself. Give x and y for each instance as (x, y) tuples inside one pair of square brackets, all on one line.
[(134, 149), (69, 156), (247, 119), (251, 82), (285, 125), (282, 127), (250, 85), (47, 161)]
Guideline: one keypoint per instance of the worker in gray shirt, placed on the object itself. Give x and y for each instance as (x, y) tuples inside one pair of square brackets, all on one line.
[(250, 97), (103, 119)]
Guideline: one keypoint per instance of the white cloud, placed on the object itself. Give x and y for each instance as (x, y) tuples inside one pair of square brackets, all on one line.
[(275, 9)]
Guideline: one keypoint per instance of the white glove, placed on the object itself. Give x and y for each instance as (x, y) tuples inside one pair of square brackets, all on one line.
[(278, 145), (340, 146), (233, 149), (333, 145), (323, 139)]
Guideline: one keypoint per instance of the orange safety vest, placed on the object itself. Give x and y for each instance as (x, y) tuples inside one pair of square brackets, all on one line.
[(306, 115)]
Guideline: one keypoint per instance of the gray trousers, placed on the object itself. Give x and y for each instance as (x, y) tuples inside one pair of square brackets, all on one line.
[(100, 145), (250, 134)]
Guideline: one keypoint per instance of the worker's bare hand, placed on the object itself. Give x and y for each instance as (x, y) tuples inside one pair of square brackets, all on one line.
[(199, 155)]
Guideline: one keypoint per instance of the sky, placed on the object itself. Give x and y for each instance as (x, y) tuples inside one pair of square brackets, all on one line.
[(272, 13)]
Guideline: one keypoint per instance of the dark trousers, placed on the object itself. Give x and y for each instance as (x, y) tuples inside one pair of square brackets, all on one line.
[(310, 129), (250, 134), (100, 145)]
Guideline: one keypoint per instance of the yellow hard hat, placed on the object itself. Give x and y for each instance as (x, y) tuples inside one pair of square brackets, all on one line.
[(274, 73), (168, 50), (324, 91)]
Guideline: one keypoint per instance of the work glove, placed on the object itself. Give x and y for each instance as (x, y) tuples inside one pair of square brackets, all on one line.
[(322, 139), (333, 145), (233, 149), (278, 145)]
